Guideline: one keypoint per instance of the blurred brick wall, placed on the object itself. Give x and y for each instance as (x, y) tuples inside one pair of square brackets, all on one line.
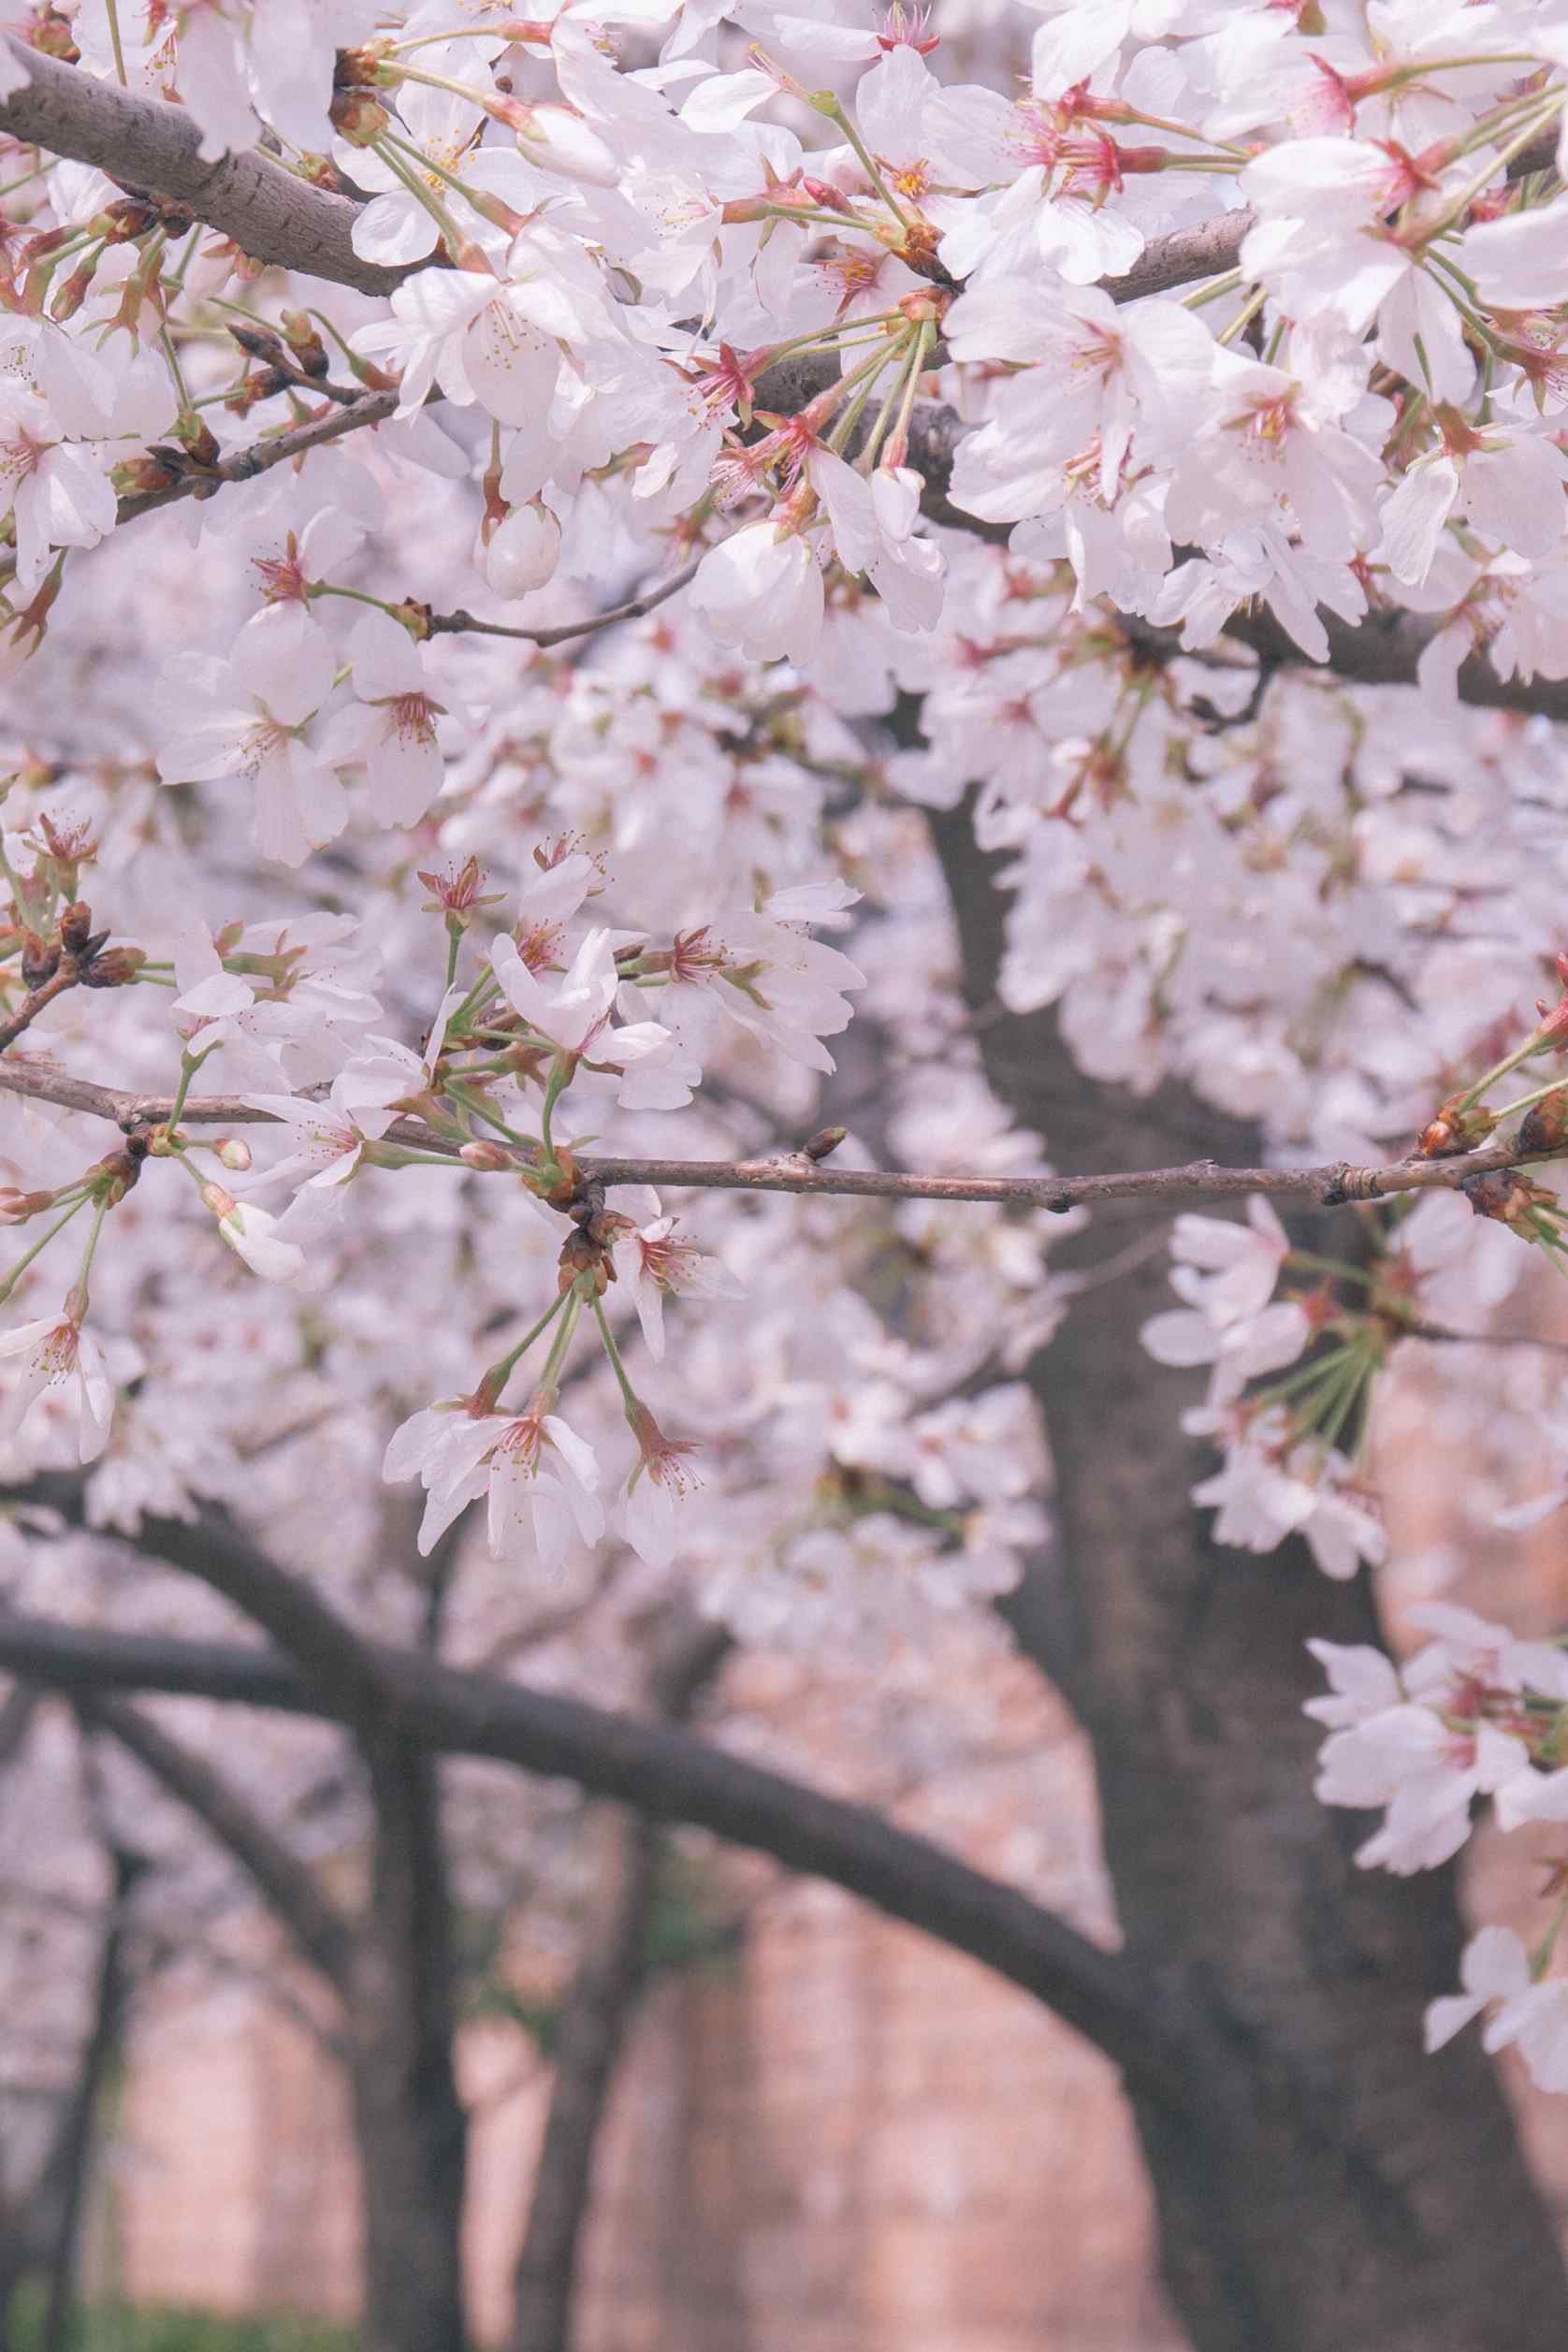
[(838, 2138)]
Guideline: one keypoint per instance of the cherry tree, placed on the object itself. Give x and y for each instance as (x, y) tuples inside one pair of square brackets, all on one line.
[(548, 562)]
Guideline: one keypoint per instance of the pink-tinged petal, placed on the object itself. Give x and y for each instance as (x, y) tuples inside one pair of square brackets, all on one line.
[(285, 661)]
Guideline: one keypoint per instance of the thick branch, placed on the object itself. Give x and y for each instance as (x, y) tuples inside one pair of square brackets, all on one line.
[(669, 1776), (151, 147), (1331, 1184), (288, 1886)]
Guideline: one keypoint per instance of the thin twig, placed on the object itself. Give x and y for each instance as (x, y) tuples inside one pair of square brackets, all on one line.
[(260, 457), (1481, 1339), (65, 976), (646, 601), (1332, 1185)]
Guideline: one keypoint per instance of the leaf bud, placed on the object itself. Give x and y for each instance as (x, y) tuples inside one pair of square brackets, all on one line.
[(76, 926), (114, 970), (1545, 1125), (38, 963), (1457, 1126), (305, 343), (358, 117)]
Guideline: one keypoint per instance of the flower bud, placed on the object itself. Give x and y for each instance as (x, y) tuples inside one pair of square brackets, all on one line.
[(1459, 1126), (484, 1155), (1545, 1125), (38, 963), (76, 926), (117, 968), (523, 552), (308, 350), (233, 1152), (358, 117), (16, 1207), (557, 140)]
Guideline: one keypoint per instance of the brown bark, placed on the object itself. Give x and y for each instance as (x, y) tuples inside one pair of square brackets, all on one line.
[(71, 2163), (409, 2125), (392, 1971), (1336, 2191), (591, 2034), (1125, 2010)]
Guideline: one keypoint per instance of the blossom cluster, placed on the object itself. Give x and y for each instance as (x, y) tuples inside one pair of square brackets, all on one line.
[(458, 680)]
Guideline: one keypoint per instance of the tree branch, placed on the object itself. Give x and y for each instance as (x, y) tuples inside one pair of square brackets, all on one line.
[(1330, 1185), (322, 1933), (260, 457), (150, 148), (275, 217), (670, 1776)]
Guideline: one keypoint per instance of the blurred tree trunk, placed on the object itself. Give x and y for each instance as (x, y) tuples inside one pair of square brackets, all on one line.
[(590, 2036), (1339, 2191), (595, 2018), (409, 2125), (70, 2165)]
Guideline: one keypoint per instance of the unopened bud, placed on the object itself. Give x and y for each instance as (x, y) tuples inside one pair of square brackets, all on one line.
[(1507, 1197), (128, 217), (16, 1207), (223, 1204), (50, 32), (196, 436), (523, 552), (558, 140), (486, 1155), (145, 476), (233, 1152), (1545, 1125), (1459, 1126), (76, 926), (259, 343), (69, 297), (826, 1140), (305, 343), (116, 968), (358, 117), (38, 963)]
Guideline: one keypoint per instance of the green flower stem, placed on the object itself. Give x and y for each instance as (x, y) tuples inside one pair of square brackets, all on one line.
[(502, 1369), (1335, 1266), (76, 1302), (1540, 113), (1527, 1102), (1540, 1959), (477, 1109), (189, 1064), (613, 1352), (560, 1077), (356, 596), (41, 1243), (826, 102), (550, 1378), (452, 236), (1306, 1376), (1226, 284)]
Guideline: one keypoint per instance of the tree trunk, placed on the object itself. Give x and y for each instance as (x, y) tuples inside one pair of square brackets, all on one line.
[(592, 2027), (1341, 2193), (594, 2019), (409, 2123), (72, 2160)]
